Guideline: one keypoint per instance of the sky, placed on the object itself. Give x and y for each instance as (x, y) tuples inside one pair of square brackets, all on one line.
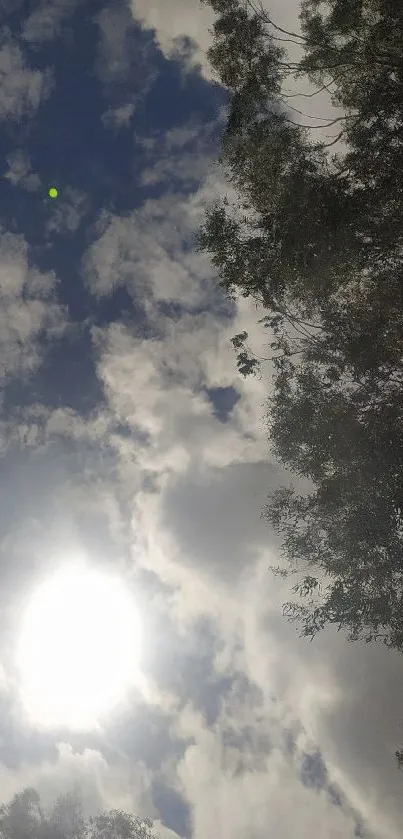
[(127, 435)]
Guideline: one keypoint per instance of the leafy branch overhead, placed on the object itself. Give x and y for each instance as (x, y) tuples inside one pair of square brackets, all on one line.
[(315, 237)]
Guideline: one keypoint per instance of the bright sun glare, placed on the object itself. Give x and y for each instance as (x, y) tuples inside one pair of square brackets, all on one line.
[(79, 648)]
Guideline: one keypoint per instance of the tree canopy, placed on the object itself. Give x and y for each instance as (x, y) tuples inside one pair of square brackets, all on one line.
[(25, 818), (315, 236)]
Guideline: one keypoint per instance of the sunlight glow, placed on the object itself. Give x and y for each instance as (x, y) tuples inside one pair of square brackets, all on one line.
[(79, 648)]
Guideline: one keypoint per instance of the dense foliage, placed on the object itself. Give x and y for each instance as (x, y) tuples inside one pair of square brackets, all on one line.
[(316, 237)]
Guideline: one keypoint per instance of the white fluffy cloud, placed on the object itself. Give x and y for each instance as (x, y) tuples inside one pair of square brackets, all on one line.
[(88, 773), (257, 801), (145, 253), (155, 387), (181, 18)]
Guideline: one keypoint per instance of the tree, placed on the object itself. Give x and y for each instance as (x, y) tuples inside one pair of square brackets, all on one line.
[(297, 228), (361, 42), (24, 817), (316, 238)]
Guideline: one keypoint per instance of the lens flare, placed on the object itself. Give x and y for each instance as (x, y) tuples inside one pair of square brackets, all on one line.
[(79, 649)]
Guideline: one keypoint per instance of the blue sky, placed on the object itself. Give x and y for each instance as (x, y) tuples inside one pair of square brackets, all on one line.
[(127, 434)]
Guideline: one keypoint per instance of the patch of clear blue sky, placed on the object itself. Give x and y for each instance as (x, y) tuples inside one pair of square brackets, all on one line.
[(69, 145), (174, 811), (224, 400)]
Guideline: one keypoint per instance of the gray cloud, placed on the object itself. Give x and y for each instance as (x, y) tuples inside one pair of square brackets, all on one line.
[(118, 117), (46, 21), (236, 794), (88, 773), (68, 211), (21, 89), (122, 62), (202, 513), (29, 310), (183, 155), (19, 172)]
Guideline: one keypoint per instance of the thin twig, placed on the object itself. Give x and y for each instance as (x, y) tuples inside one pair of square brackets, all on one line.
[(333, 142), (310, 116), (315, 93), (328, 125), (264, 16)]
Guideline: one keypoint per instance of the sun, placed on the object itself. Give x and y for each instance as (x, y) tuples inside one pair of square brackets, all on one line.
[(79, 648)]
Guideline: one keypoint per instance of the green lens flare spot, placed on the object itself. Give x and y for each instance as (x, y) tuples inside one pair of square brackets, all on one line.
[(53, 193)]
